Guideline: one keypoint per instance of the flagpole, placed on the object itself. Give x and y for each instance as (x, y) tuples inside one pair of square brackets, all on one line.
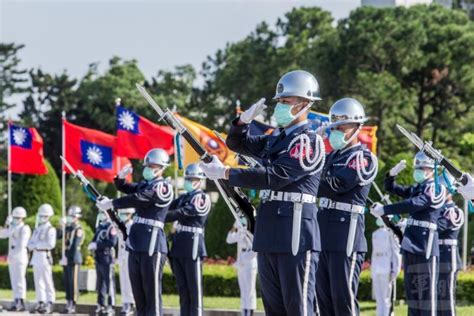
[(63, 187), (9, 172), (118, 102), (175, 164), (464, 237)]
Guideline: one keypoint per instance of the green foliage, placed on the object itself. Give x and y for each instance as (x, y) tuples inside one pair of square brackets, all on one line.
[(12, 77), (30, 191)]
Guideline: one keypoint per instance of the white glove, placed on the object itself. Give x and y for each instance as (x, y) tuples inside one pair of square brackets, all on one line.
[(104, 204), (63, 221), (92, 246), (398, 168), (125, 171), (214, 170), (63, 261), (467, 190), (9, 220), (254, 111), (377, 209)]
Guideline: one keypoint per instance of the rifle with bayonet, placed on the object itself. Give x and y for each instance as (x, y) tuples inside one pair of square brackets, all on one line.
[(94, 195), (435, 154), (238, 203)]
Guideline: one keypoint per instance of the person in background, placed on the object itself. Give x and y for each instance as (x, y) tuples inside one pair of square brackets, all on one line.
[(73, 240), (42, 243), (246, 266), (18, 234), (385, 266), (103, 243), (125, 215)]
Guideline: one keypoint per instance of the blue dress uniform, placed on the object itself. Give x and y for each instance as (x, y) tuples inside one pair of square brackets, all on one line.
[(106, 239), (146, 241), (190, 210), (449, 224), (73, 242), (290, 179), (420, 241), (342, 198)]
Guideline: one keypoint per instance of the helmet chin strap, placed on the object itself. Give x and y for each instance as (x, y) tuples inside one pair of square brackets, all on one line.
[(356, 133), (306, 108)]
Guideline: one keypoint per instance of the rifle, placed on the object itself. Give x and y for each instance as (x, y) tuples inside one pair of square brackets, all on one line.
[(435, 154), (94, 195), (248, 161), (238, 203), (386, 200)]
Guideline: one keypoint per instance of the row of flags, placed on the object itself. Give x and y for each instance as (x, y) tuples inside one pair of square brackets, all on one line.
[(100, 155)]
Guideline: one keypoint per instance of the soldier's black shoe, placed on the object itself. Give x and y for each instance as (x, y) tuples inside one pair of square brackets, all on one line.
[(38, 308), (70, 308), (17, 306)]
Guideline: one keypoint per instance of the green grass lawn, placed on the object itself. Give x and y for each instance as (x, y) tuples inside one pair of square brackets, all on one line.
[(367, 308)]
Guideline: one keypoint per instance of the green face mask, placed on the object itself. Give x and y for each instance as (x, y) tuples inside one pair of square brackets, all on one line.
[(123, 217), (148, 173), (282, 114), (337, 139), (419, 175), (188, 186)]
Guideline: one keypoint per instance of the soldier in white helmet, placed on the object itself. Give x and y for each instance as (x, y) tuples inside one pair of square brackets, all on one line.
[(246, 266), (42, 242), (125, 215), (385, 266), (18, 234)]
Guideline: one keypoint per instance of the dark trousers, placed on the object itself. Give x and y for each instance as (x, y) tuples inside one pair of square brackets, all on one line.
[(188, 274), (105, 284), (447, 279), (146, 273), (420, 284), (71, 275), (338, 283), (288, 282)]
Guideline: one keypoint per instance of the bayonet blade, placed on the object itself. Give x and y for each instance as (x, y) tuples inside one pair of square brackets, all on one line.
[(150, 100)]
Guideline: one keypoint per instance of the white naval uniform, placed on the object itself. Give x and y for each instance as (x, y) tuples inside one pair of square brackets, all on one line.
[(246, 266), (122, 261), (17, 257), (41, 243), (385, 266)]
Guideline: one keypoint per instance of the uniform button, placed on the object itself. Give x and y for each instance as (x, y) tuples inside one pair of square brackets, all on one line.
[(424, 233), (342, 219)]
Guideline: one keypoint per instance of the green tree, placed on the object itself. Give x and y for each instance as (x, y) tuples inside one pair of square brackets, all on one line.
[(97, 93), (410, 66), (30, 191), (48, 96), (12, 77)]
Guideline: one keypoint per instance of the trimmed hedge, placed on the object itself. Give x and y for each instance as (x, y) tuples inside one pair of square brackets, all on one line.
[(221, 280)]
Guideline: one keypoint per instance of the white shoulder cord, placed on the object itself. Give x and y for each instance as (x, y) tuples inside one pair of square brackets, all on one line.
[(164, 191), (437, 200), (455, 215), (316, 163), (202, 203), (366, 176)]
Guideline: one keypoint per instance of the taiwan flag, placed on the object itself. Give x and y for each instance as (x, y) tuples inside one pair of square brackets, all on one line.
[(136, 135), (26, 150), (93, 152)]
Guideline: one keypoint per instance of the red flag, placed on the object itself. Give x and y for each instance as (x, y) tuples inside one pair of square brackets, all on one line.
[(93, 152), (26, 150), (136, 135)]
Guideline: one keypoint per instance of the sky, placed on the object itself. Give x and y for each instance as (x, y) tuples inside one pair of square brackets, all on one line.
[(65, 35)]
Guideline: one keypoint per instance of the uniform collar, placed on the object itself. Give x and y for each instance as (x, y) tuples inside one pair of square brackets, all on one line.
[(292, 128)]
